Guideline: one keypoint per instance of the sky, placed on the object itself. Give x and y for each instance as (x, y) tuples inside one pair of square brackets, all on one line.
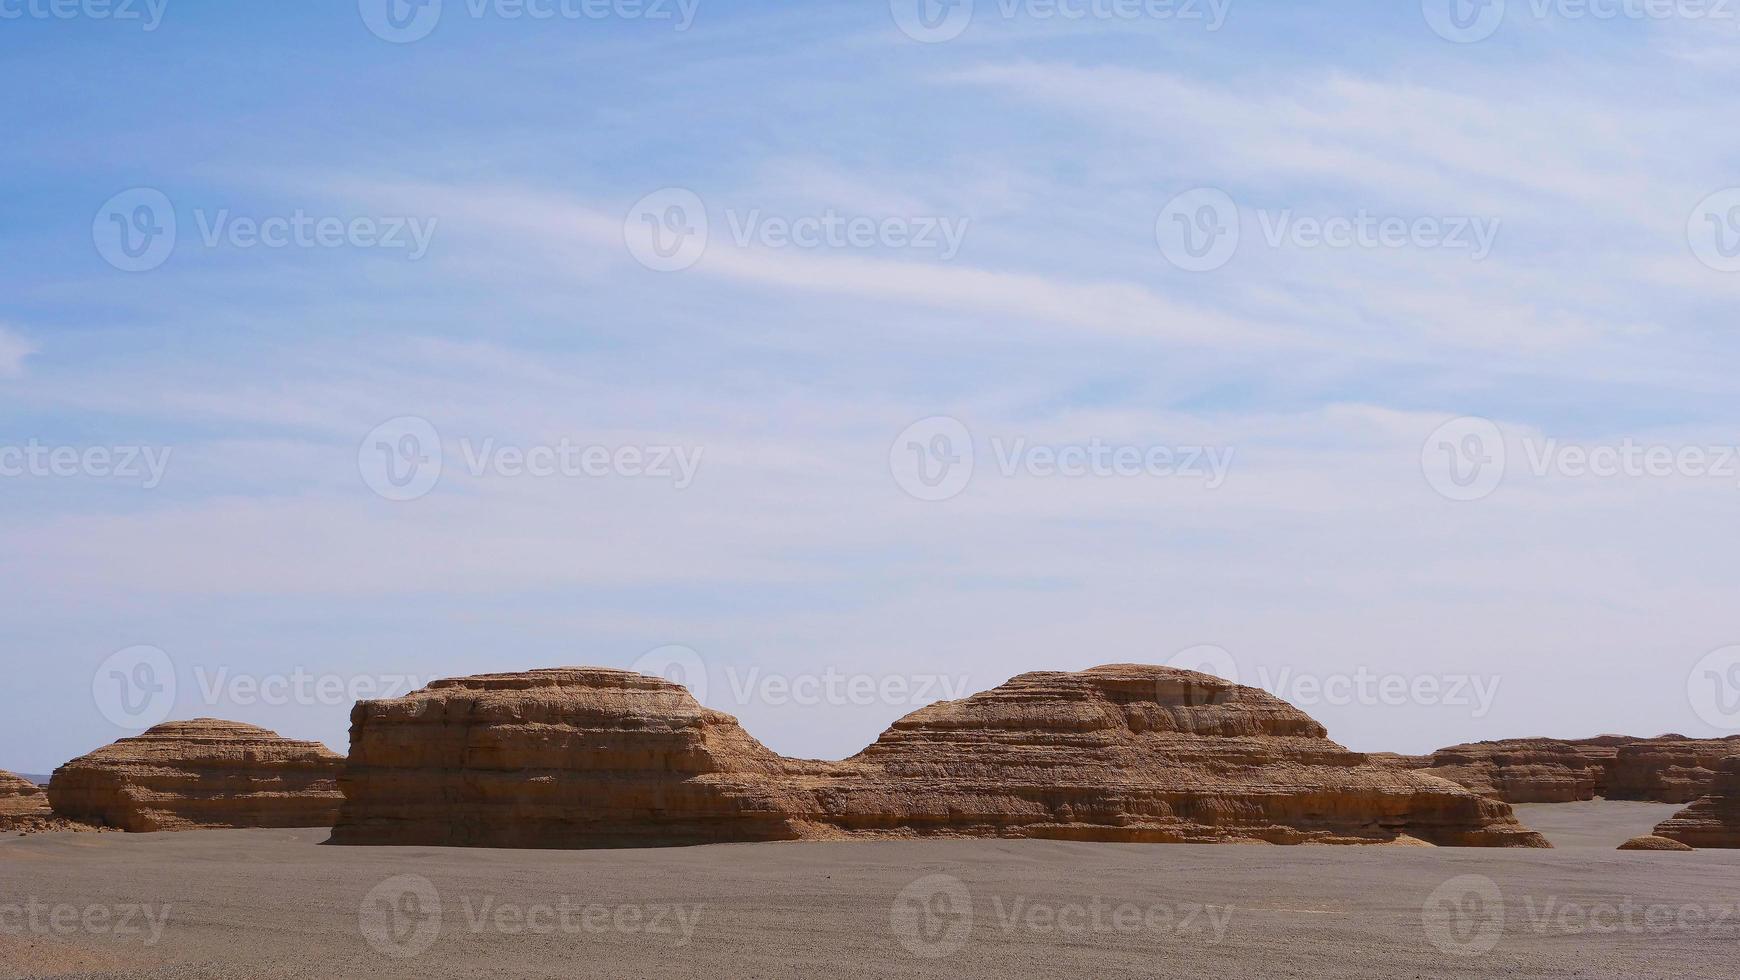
[(841, 357)]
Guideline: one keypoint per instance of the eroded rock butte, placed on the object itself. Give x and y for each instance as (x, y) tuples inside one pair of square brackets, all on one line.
[(204, 773), (22, 803), (586, 757), (1665, 769), (1712, 820)]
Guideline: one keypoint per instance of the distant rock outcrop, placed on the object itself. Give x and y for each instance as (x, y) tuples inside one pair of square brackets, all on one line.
[(599, 758), (22, 803), (1665, 769), (1712, 820), (198, 774)]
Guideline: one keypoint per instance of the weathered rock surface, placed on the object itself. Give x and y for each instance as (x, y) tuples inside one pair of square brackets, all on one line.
[(1712, 820), (1650, 842), (201, 774), (22, 803), (595, 758), (1665, 769)]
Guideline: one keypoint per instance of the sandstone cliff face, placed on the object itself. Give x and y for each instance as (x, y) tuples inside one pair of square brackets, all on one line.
[(1713, 820), (22, 803), (1666, 769), (199, 774), (588, 758)]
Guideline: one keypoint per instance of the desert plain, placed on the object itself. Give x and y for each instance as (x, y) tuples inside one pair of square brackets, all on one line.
[(281, 904)]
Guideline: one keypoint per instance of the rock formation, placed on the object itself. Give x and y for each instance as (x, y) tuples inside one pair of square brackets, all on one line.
[(597, 758), (1665, 769), (1713, 820), (198, 774), (22, 803), (1651, 842)]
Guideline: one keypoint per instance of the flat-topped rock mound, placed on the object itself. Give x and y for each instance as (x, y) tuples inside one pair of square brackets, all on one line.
[(584, 757), (204, 773), (22, 803), (1664, 769), (1712, 820), (1650, 842)]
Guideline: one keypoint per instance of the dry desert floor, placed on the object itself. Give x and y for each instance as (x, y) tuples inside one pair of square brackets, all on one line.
[(268, 904)]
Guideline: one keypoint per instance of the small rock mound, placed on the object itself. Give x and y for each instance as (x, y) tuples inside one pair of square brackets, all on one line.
[(1650, 842), (583, 757), (204, 773), (23, 804), (1713, 820)]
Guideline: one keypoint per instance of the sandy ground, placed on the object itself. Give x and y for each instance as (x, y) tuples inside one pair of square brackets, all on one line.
[(272, 904)]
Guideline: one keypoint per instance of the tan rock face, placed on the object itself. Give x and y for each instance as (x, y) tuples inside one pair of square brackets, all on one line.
[(1712, 820), (591, 758), (199, 774), (1653, 843), (1666, 769), (22, 803)]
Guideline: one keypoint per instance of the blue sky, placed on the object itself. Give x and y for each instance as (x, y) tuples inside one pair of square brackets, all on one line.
[(523, 147)]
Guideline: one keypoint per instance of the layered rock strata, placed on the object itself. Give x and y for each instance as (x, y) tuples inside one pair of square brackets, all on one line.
[(1712, 820), (22, 803), (1665, 769), (204, 773), (597, 758)]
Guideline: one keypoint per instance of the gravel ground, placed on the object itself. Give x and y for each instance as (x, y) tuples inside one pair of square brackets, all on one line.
[(270, 904)]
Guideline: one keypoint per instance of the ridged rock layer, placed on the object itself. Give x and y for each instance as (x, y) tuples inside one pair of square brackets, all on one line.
[(22, 803), (1712, 820), (201, 774), (1666, 769), (597, 758)]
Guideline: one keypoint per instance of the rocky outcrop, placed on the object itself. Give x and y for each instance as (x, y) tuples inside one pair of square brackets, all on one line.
[(1666, 769), (1653, 843), (597, 758), (22, 803), (1712, 820), (199, 774), (1669, 769)]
